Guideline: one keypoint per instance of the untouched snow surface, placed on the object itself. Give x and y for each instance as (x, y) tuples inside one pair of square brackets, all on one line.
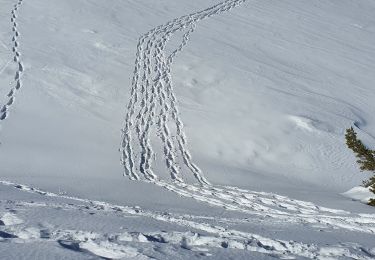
[(359, 193), (228, 127)]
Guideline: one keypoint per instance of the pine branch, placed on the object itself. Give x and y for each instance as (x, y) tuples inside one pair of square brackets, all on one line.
[(366, 158)]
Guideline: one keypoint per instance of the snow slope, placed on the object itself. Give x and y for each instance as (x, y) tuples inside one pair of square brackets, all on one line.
[(232, 119)]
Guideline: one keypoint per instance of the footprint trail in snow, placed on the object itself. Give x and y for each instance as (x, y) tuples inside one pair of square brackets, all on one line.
[(17, 85), (153, 104), (153, 107), (203, 234)]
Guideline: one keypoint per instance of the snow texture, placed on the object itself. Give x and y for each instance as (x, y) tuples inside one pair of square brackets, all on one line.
[(232, 141)]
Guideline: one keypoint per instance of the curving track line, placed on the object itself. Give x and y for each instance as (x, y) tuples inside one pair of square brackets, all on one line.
[(211, 235), (153, 104), (278, 208), (4, 112)]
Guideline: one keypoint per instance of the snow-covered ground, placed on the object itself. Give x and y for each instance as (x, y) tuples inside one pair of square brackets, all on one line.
[(184, 129)]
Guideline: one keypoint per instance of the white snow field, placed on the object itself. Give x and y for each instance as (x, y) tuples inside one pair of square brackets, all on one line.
[(140, 129)]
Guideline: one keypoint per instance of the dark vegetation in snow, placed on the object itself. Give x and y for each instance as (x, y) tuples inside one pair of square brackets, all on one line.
[(366, 158)]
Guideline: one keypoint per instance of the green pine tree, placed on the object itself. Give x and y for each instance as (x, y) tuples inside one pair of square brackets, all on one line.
[(366, 158)]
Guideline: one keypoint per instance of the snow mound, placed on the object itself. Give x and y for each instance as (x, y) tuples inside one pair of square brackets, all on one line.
[(360, 194), (9, 219)]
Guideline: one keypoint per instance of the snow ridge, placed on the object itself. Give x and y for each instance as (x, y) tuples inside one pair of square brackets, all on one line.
[(4, 112)]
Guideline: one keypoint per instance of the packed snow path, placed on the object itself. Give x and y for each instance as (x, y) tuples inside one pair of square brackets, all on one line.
[(4, 112), (204, 234)]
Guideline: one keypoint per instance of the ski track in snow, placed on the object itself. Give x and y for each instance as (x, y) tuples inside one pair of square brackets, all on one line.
[(116, 245), (4, 112)]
